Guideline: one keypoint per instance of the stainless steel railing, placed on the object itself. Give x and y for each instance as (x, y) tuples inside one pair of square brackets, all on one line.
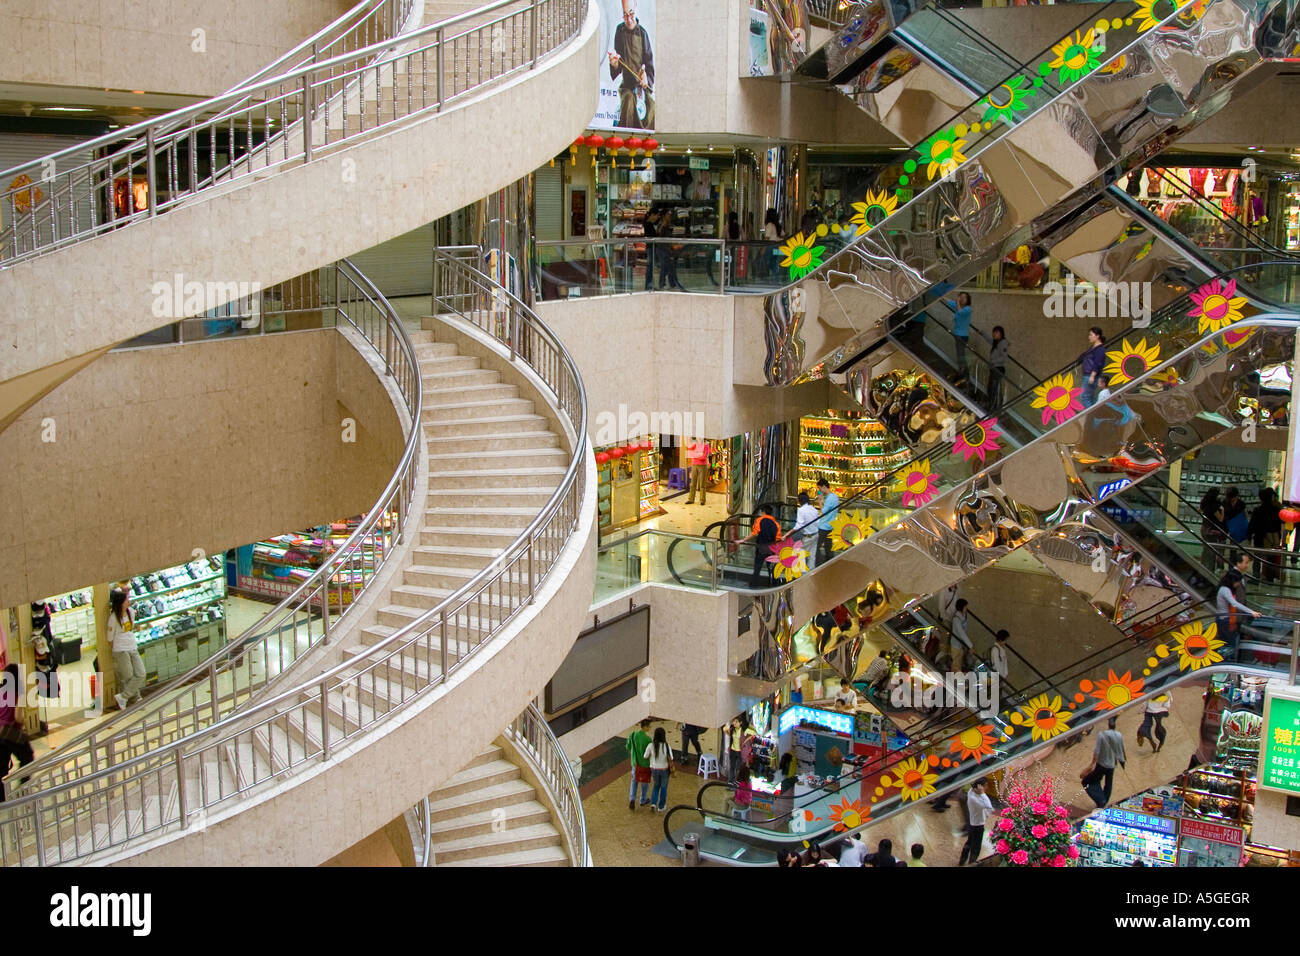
[(256, 659), (167, 786), (536, 743), (274, 122)]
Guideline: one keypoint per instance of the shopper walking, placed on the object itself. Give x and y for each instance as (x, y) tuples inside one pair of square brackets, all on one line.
[(766, 532), (1265, 532), (830, 511), (999, 351), (805, 527), (650, 228), (961, 316), (637, 742), (1235, 521), (1152, 729), (697, 458), (960, 640), (1107, 752), (126, 655), (13, 736), (1213, 533), (948, 605), (877, 675), (918, 850), (998, 654), (1228, 608), (978, 809), (743, 797), (660, 757), (735, 744), (690, 735), (854, 851), (1094, 360)]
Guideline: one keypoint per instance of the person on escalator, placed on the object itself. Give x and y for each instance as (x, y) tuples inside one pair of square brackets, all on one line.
[(1265, 531), (1235, 521), (1212, 530), (765, 533), (805, 527), (961, 315), (830, 511), (1228, 608), (1094, 360), (961, 644), (997, 366)]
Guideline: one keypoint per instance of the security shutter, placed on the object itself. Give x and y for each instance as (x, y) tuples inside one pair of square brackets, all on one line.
[(400, 266), (548, 203), (19, 148)]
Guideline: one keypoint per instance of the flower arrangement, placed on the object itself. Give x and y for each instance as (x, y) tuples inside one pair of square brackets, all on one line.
[(1033, 829)]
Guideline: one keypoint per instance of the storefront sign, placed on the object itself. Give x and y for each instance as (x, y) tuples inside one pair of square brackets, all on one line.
[(791, 717), (1214, 832), (1138, 821), (1279, 746), (698, 162)]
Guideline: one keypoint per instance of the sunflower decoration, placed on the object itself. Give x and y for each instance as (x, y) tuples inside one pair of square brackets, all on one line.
[(801, 256), (1075, 57), (1145, 250), (1058, 398), (1234, 337), (1043, 717), (1217, 305), (875, 206), (1197, 645), (848, 815), (1149, 13), (788, 560), (1130, 361), (848, 528), (1115, 65), (1010, 98), (942, 152), (917, 483), (976, 741), (1115, 691), (913, 779), (977, 439)]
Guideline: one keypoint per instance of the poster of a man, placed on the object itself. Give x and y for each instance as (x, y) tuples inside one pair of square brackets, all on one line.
[(631, 65)]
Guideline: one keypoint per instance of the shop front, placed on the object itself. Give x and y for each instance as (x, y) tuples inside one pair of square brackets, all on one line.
[(628, 488), (850, 450)]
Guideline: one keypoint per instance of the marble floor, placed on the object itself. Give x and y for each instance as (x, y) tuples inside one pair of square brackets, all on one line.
[(619, 837)]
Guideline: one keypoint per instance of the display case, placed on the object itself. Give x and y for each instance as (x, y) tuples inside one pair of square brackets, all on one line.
[(648, 462), (623, 197), (851, 451), (73, 617), (1291, 215), (178, 616), (1117, 837), (282, 563)]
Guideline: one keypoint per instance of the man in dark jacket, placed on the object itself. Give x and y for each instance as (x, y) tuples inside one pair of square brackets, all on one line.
[(634, 60), (1265, 531)]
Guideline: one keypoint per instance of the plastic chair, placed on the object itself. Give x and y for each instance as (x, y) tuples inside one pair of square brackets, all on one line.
[(708, 766), (677, 478)]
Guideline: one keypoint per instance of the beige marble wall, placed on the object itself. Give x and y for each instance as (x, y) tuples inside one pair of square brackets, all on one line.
[(670, 353), (135, 45), (702, 84), (272, 228), (160, 451)]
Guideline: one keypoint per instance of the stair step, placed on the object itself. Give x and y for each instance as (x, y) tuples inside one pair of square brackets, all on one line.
[(490, 820), (471, 410), (497, 458), (476, 778), (455, 396), (447, 364), (429, 351), (503, 794), (491, 499), (491, 425), (451, 556), (492, 843), (542, 856), (495, 518), (435, 382), (504, 478), (494, 539), (441, 578), (437, 443)]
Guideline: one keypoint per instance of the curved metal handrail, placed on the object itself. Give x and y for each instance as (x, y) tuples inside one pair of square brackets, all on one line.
[(308, 100), (191, 702), (536, 742), (485, 605)]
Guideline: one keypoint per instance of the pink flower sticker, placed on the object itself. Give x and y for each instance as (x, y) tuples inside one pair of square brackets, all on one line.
[(977, 439)]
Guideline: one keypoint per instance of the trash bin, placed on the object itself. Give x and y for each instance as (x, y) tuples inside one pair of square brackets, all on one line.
[(691, 849)]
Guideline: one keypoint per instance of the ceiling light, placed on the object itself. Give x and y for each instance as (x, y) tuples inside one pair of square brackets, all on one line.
[(138, 92), (66, 109)]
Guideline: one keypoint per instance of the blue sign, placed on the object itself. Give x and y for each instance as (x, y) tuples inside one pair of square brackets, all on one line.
[(791, 716), (1113, 486), (1138, 821)]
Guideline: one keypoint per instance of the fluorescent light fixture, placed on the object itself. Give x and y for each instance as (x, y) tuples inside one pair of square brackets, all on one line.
[(66, 109)]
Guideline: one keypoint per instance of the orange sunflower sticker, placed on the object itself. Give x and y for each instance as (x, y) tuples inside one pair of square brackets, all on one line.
[(1116, 691), (848, 815), (974, 742)]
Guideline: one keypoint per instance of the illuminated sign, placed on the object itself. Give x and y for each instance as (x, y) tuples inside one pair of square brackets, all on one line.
[(1138, 821), (1279, 744), (1214, 832), (791, 716), (1111, 487)]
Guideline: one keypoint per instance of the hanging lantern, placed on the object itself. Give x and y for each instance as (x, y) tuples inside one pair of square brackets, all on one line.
[(602, 457), (634, 144), (1289, 515), (614, 144), (649, 145), (616, 453), (595, 141), (631, 449), (573, 150)]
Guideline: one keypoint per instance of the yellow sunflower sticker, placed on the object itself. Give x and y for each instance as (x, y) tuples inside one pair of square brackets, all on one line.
[(1197, 645), (1043, 716)]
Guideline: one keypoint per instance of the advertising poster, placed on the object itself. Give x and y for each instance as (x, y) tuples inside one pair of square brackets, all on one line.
[(627, 70), (760, 49)]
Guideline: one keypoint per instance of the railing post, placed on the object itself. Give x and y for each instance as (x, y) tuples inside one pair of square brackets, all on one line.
[(40, 834), (307, 111), (212, 684), (324, 614), (443, 637), (439, 68), (182, 802), (532, 576), (532, 40), (150, 157), (324, 722)]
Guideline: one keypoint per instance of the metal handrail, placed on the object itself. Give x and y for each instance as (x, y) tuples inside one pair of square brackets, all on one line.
[(191, 702), (276, 121), (426, 652), (536, 743)]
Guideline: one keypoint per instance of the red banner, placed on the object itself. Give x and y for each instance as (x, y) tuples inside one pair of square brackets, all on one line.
[(1216, 832)]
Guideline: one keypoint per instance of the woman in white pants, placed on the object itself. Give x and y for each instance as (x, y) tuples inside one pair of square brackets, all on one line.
[(126, 655)]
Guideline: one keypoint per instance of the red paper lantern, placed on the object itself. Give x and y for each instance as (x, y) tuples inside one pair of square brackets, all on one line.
[(631, 449), (616, 453), (615, 143), (650, 145), (634, 143), (647, 445), (602, 457), (1289, 515), (595, 141)]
